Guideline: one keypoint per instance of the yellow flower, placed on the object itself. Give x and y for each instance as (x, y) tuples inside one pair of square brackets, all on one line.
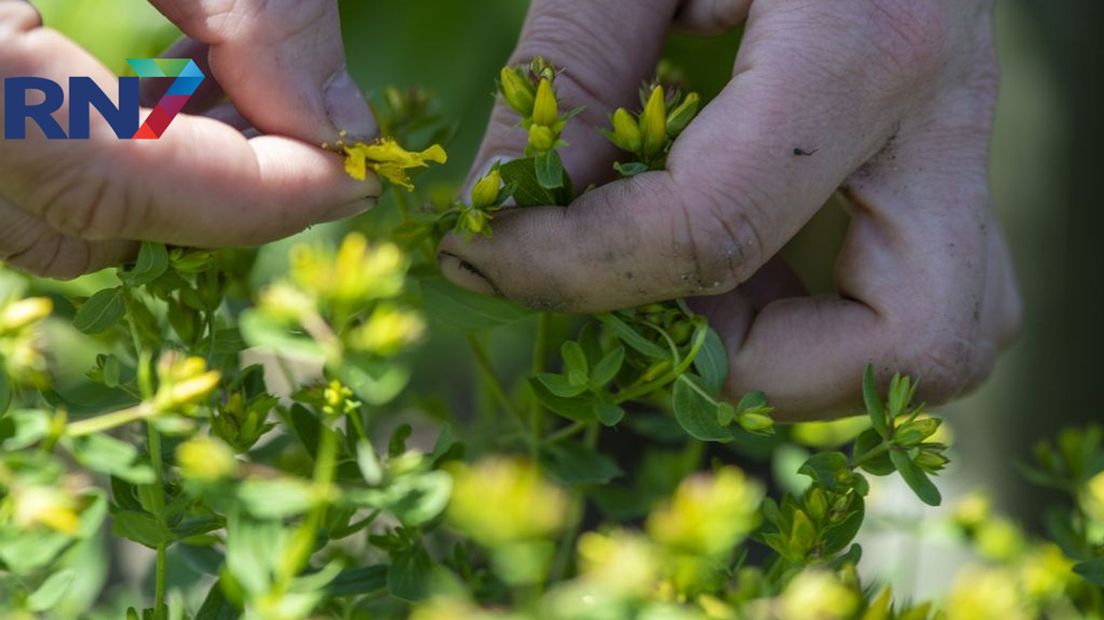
[(545, 110), (518, 91), (708, 515), (206, 459), (47, 506), (388, 330), (541, 138), (626, 131), (1092, 498), (24, 313), (817, 595), (985, 594), (500, 502), (389, 160), (620, 562), (653, 123), (1045, 572)]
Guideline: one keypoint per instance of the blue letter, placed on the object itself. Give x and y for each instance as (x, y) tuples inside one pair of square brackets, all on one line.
[(85, 94), (17, 111)]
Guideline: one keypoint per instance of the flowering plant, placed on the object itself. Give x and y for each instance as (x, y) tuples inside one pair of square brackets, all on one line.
[(274, 443)]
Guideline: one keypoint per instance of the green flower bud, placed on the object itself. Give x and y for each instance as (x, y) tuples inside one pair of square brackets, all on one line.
[(485, 193), (518, 91), (914, 432), (541, 138), (681, 116), (545, 109), (626, 132), (653, 123), (754, 422)]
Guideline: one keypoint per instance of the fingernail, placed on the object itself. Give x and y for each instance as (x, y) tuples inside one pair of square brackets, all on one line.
[(346, 107), (464, 274), (351, 209)]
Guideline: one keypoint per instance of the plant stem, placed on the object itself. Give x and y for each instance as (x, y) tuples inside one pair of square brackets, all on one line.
[(483, 360), (566, 432), (154, 443), (111, 420), (540, 350), (871, 454)]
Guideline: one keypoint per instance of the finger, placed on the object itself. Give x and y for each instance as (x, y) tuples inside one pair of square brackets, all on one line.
[(208, 94), (925, 281), (28, 244), (607, 50), (203, 183), (282, 62), (711, 17), (806, 108)]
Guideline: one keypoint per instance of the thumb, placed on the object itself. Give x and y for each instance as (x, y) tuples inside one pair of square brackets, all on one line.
[(282, 63)]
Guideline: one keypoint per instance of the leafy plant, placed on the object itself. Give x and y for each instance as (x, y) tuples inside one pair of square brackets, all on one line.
[(270, 441)]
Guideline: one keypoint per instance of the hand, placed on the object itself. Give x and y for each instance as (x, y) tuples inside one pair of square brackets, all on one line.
[(890, 101), (70, 207)]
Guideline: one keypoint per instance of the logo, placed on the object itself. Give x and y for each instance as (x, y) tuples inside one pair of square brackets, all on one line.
[(124, 117)]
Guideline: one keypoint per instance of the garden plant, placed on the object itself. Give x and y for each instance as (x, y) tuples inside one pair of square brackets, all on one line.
[(271, 444)]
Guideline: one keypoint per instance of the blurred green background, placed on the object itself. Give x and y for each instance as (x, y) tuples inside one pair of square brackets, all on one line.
[(1046, 181)]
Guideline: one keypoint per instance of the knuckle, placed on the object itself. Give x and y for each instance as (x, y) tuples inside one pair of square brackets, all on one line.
[(910, 35), (724, 238), (947, 365), (90, 206)]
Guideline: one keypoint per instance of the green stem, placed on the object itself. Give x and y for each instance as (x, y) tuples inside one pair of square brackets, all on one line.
[(540, 350), (325, 466), (677, 371), (154, 443), (111, 420), (872, 454), (566, 432), (483, 360)]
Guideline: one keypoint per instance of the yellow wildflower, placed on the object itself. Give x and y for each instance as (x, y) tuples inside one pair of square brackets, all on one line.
[(47, 506), (545, 110), (389, 160), (486, 191)]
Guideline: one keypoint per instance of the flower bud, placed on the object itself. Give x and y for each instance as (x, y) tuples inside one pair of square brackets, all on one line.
[(206, 459), (680, 117), (653, 123), (626, 132), (485, 193), (754, 422), (914, 432), (24, 313), (541, 138), (190, 391), (545, 109), (517, 91), (473, 222)]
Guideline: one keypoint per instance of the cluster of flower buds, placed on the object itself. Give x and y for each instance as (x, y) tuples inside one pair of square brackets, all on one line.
[(183, 382), (487, 196), (650, 134), (531, 92)]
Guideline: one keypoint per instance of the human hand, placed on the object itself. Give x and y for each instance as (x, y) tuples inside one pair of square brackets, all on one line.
[(70, 207), (890, 101)]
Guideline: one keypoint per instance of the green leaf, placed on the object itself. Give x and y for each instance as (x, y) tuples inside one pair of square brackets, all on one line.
[(101, 311), (216, 606), (838, 536), (410, 573), (607, 368), (363, 580), (528, 191), (260, 331), (111, 456), (23, 428), (369, 463), (141, 527), (575, 363), (549, 170), (880, 465), (560, 385), (307, 427), (454, 307), (608, 412), (830, 470), (574, 463), (875, 408), (712, 362), (917, 480), (630, 169), (697, 412), (578, 409), (634, 339), (153, 260), (1092, 571), (278, 498), (50, 592)]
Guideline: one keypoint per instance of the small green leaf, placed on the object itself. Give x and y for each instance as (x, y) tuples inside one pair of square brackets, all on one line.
[(574, 463), (278, 498), (634, 339), (153, 260), (49, 594), (578, 409), (630, 169), (528, 191), (607, 411), (141, 527), (575, 363), (550, 171), (454, 307), (712, 362), (917, 480), (560, 385), (369, 463), (410, 574), (607, 368), (216, 606), (697, 412), (363, 580), (1092, 571), (874, 406), (830, 470), (838, 536), (101, 311)]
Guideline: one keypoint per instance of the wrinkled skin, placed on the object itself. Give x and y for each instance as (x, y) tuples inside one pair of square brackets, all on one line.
[(889, 101), (69, 207)]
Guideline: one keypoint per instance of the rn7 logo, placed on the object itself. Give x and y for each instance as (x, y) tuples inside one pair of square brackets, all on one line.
[(84, 94)]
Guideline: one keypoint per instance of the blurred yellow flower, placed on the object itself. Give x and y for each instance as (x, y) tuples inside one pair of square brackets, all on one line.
[(47, 506), (708, 515), (355, 274), (620, 563), (501, 501), (389, 160), (206, 459), (1045, 572), (23, 313), (1092, 498), (817, 595), (985, 594), (388, 330)]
